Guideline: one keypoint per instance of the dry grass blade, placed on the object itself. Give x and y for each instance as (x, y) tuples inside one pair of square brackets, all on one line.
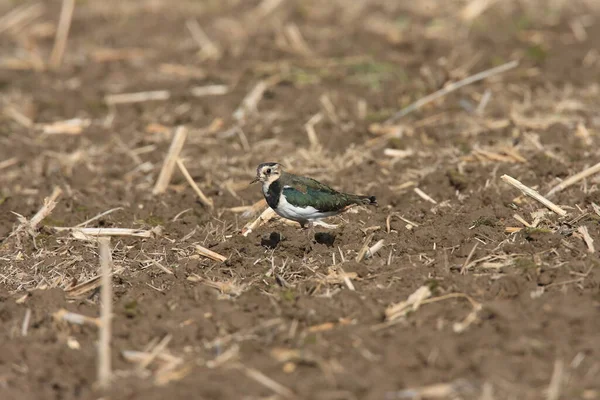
[(414, 301), (337, 277), (365, 247), (267, 382), (158, 349), (139, 97), (250, 102), (25, 325), (424, 196), (553, 392), (8, 163), (62, 33), (161, 267), (203, 199), (466, 265), (90, 233), (596, 208), (398, 153), (209, 90), (574, 179), (522, 220), (104, 363), (208, 49), (77, 292), (533, 194), (267, 215), (74, 318), (375, 248), (170, 161), (73, 126), (21, 16), (203, 251), (589, 242), (49, 204), (97, 217), (18, 117), (139, 356), (450, 88), (310, 130)]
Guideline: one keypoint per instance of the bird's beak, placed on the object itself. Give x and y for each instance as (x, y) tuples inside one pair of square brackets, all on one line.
[(254, 180)]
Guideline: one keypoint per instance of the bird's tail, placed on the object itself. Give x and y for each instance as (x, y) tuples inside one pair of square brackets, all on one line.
[(367, 200)]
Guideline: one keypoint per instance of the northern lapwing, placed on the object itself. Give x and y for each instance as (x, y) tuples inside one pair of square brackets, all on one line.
[(303, 199)]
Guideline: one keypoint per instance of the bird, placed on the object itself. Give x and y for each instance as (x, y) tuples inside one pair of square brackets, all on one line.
[(303, 199)]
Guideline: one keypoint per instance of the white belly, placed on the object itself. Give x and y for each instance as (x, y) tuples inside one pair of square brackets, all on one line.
[(294, 213)]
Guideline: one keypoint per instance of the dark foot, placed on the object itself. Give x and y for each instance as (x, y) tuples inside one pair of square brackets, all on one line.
[(272, 241)]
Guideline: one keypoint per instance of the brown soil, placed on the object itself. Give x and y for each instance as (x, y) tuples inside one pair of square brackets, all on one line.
[(277, 318)]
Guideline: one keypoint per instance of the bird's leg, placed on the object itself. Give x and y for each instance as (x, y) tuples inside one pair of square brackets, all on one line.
[(309, 228)]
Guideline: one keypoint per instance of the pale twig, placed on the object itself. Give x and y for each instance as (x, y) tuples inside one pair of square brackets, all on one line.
[(450, 88), (210, 254), (135, 356), (139, 97), (296, 40), (374, 249), (346, 278), (596, 208), (388, 221), (533, 194), (104, 364), (8, 163), (62, 33), (74, 318), (250, 102), (20, 16), (203, 199), (158, 349), (329, 108), (398, 153), (310, 130), (522, 220), (589, 242), (207, 48), (465, 266), (574, 179), (424, 195), (97, 217), (267, 382), (265, 216), (85, 233), (365, 247), (85, 287), (49, 204), (209, 90), (553, 392), (25, 325), (67, 127), (18, 117), (161, 267), (170, 161), (414, 301)]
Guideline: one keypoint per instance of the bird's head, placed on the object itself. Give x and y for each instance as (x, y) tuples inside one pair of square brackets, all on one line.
[(268, 172)]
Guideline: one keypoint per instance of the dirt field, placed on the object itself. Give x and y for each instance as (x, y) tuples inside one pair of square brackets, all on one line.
[(505, 293)]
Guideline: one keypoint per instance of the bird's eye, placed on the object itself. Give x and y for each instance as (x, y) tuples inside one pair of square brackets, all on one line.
[(268, 171)]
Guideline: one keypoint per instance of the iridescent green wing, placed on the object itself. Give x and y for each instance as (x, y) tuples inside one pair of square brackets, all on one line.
[(303, 192)]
